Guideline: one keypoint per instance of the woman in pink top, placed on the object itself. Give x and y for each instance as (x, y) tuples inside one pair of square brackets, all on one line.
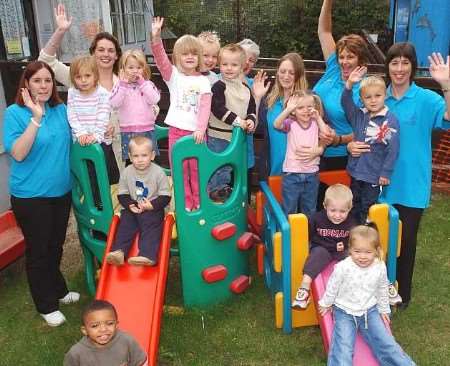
[(301, 120), (190, 100)]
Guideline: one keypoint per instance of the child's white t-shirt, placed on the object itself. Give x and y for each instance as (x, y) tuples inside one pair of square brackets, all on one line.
[(185, 94), (355, 289)]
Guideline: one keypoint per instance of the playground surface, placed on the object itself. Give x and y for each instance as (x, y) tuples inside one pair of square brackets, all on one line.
[(241, 331)]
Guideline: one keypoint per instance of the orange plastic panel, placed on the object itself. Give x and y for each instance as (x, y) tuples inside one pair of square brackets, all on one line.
[(12, 243), (334, 176), (260, 258)]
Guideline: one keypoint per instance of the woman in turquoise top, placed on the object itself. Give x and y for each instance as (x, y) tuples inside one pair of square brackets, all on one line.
[(418, 111), (289, 78), (341, 59), (37, 137)]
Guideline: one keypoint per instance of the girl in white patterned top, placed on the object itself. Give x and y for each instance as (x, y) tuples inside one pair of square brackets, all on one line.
[(358, 291)]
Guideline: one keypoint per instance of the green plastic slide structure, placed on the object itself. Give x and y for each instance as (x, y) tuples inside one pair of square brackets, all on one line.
[(213, 240)]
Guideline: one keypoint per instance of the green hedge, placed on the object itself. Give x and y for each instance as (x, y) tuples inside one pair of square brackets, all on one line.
[(277, 26)]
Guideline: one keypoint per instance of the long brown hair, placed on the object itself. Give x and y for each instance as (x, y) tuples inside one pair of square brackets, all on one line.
[(31, 69), (300, 82)]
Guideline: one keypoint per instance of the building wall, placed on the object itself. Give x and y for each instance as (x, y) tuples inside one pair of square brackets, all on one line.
[(4, 159)]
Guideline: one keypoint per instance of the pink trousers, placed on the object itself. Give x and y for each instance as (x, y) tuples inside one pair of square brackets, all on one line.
[(190, 171)]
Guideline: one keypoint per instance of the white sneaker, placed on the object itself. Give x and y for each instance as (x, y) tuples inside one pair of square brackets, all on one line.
[(54, 319), (70, 298), (394, 297), (302, 298)]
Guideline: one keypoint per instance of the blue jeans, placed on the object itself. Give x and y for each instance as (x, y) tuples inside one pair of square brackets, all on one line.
[(222, 176), (383, 345), (300, 193)]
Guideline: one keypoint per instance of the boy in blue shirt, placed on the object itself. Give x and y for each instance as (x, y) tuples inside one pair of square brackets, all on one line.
[(379, 128)]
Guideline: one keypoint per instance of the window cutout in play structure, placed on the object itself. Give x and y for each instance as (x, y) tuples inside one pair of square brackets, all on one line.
[(191, 184), (220, 184)]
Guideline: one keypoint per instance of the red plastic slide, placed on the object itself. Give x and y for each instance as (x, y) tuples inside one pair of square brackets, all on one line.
[(363, 355), (137, 292)]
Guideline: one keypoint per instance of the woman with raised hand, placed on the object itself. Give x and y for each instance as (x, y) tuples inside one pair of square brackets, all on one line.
[(37, 136), (418, 111), (104, 47), (341, 59)]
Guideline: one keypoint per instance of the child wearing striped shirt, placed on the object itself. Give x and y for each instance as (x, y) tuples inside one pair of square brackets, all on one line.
[(88, 111)]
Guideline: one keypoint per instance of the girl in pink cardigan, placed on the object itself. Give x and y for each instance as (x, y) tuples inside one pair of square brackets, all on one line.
[(190, 100), (135, 97)]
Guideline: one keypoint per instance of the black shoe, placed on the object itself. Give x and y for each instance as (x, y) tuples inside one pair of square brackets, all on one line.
[(403, 306)]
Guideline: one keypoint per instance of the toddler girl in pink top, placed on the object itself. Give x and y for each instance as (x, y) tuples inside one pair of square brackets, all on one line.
[(190, 100), (301, 120), (135, 97)]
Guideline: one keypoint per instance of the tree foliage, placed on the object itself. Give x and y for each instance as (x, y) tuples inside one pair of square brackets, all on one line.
[(277, 26)]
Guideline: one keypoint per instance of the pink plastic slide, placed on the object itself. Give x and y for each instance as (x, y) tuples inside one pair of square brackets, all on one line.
[(363, 355)]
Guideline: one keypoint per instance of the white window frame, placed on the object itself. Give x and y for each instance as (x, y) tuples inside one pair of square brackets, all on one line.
[(128, 12)]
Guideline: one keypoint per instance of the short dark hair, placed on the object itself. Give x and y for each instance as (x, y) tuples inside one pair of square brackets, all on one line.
[(31, 69), (401, 49), (354, 44), (108, 36), (97, 305)]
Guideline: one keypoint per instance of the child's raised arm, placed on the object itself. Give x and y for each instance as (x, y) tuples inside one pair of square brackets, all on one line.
[(204, 109), (290, 107), (355, 76), (161, 59)]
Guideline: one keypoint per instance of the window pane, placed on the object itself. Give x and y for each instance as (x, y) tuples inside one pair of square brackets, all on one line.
[(13, 29), (140, 27), (116, 30), (114, 6), (127, 6), (129, 29), (138, 6)]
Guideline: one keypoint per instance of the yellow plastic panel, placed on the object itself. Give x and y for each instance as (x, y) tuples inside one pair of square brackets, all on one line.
[(379, 214), (277, 252), (299, 253), (279, 310)]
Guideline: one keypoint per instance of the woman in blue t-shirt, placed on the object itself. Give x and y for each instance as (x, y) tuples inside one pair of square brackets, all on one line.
[(418, 111), (289, 78), (341, 59), (37, 137)]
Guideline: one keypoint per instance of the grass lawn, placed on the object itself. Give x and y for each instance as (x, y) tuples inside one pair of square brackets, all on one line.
[(242, 331)]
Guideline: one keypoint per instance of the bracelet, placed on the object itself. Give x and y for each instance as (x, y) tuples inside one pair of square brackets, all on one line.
[(339, 141), (33, 121)]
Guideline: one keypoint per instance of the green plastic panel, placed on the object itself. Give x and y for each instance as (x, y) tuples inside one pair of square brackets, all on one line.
[(198, 249)]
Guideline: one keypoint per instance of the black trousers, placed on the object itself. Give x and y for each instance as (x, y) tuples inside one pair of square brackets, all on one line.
[(318, 258), (148, 224), (405, 263), (364, 195), (44, 224)]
